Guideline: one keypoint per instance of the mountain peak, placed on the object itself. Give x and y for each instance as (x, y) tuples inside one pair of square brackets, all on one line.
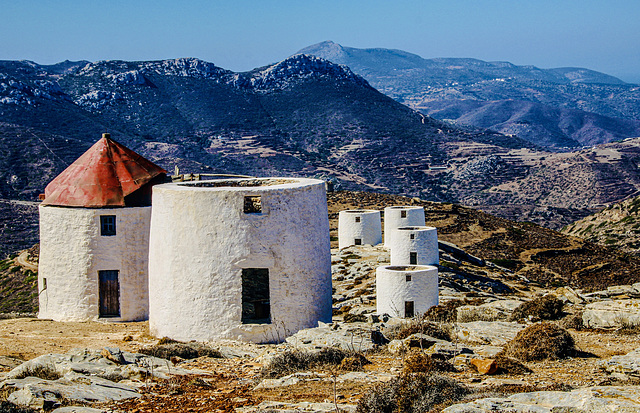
[(327, 49), (301, 66)]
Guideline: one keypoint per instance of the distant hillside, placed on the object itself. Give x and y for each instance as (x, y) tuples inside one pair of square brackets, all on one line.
[(302, 116), (617, 225), (560, 108)]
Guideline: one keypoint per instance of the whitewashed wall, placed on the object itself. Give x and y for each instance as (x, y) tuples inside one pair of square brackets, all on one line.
[(369, 229), (393, 220), (393, 289), (424, 244), (72, 251), (201, 240)]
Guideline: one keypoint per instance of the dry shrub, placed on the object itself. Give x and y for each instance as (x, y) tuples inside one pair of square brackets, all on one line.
[(415, 326), (292, 361), (354, 318), (412, 393), (541, 341), (422, 363), (354, 362), (41, 371), (8, 407), (547, 307), (444, 313), (573, 321), (509, 365), (168, 348)]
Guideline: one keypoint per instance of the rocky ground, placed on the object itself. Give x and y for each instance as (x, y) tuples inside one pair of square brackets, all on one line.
[(469, 354), (99, 366)]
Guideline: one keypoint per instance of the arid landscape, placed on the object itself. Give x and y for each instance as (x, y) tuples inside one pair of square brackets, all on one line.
[(345, 365)]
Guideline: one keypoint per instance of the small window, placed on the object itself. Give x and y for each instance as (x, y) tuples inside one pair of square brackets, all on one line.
[(403, 214), (357, 219), (107, 225), (252, 204), (408, 277), (408, 309), (44, 284), (413, 258), (357, 241), (412, 236)]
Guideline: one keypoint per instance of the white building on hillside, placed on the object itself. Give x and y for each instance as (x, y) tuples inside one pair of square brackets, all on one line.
[(359, 227), (241, 259), (94, 236), (401, 216)]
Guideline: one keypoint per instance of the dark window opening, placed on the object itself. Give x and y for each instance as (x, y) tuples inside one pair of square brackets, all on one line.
[(408, 309), (357, 219), (403, 214), (252, 205), (413, 258), (357, 241), (412, 236), (408, 277), (107, 225), (109, 291), (44, 284), (256, 307)]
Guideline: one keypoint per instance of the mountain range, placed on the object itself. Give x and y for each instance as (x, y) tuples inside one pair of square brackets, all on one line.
[(303, 116), (562, 108)]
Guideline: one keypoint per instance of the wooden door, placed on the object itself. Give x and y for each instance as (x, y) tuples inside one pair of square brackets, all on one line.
[(109, 289)]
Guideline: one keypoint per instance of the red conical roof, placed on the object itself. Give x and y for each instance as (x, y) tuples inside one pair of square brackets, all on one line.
[(101, 177)]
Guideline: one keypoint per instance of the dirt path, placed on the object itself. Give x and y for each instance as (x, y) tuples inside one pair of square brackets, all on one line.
[(26, 338)]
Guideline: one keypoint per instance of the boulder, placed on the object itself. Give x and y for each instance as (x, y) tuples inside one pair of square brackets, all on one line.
[(569, 294), (625, 366), (586, 400), (349, 337), (284, 407), (495, 333), (93, 363), (38, 393), (495, 310), (612, 313), (484, 366)]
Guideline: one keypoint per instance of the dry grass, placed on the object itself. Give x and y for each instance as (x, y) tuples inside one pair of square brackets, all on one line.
[(297, 360), (167, 348), (412, 393), (421, 363), (541, 341), (547, 307)]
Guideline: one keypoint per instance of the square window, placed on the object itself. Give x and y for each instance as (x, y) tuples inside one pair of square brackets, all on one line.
[(412, 236), (107, 225), (408, 277), (357, 219), (252, 204), (403, 214), (357, 241)]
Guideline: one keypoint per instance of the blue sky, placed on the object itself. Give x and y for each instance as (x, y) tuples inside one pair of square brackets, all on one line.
[(243, 34)]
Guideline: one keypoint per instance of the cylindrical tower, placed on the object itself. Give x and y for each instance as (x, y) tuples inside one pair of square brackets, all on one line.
[(406, 291), (415, 246), (359, 227), (94, 236), (401, 216), (86, 273), (244, 259)]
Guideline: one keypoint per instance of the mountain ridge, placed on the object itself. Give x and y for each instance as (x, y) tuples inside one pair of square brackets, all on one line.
[(609, 107)]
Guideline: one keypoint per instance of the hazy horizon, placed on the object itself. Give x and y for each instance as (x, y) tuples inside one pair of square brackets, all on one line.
[(244, 35)]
